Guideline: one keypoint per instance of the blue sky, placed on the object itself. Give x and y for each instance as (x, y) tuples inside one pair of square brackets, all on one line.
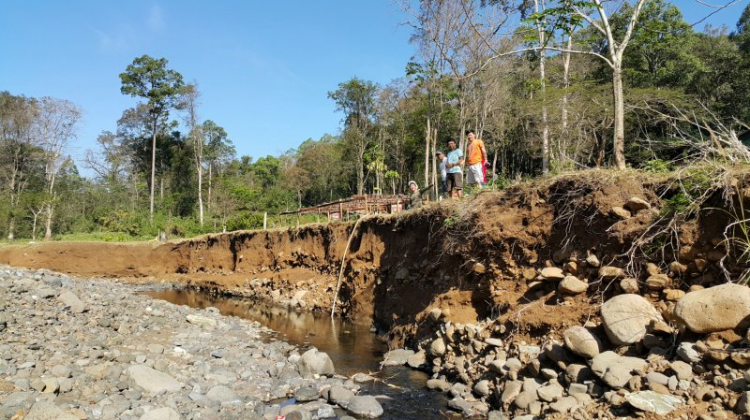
[(264, 68)]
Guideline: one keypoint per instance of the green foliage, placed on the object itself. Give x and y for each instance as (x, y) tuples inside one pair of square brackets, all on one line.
[(657, 166)]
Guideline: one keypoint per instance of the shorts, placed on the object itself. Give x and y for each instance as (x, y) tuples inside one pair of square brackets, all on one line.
[(474, 174), (454, 181)]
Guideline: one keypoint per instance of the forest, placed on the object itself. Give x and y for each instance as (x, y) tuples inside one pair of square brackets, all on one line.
[(549, 87)]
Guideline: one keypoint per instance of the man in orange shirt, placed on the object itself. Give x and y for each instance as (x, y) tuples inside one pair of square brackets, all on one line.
[(476, 154)]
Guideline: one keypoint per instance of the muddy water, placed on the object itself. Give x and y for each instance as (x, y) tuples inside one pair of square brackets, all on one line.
[(353, 348)]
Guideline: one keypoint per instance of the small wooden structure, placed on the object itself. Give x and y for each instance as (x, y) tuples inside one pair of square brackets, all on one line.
[(357, 204)]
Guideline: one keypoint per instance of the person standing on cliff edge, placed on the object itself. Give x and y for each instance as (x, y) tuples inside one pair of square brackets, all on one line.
[(476, 156), (454, 160)]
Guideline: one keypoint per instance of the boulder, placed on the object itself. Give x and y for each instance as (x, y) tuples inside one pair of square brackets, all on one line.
[(626, 318), (314, 362), (714, 309), (340, 396), (581, 342), (152, 380), (365, 406), (629, 285)]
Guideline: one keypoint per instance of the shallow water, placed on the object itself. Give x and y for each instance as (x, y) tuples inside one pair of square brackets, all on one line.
[(352, 348)]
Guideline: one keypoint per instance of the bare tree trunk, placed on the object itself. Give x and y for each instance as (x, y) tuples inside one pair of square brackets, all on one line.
[(48, 223), (542, 78), (428, 131), (153, 176), (566, 85), (200, 192), (619, 141), (434, 164), (11, 227), (210, 171)]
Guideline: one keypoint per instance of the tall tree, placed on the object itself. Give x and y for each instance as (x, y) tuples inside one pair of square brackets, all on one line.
[(17, 150), (54, 127), (190, 97), (356, 99), (149, 78)]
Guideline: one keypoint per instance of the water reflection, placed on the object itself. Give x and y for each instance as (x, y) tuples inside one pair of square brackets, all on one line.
[(352, 348)]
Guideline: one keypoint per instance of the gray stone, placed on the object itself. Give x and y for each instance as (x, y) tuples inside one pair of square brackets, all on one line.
[(365, 406), (44, 293), (438, 384), (397, 357), (743, 405), (203, 321), (525, 399), (340, 396), (564, 405), (437, 348), (687, 352), (626, 318), (494, 342), (657, 378), (70, 299), (581, 342), (511, 391), (683, 370), (306, 394), (45, 410), (550, 393), (653, 402), (616, 370), (164, 413), (223, 395), (482, 388), (314, 362), (717, 308), (152, 380)]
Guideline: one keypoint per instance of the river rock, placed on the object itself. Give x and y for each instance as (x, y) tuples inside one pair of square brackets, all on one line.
[(482, 388), (365, 406), (437, 348), (714, 309), (580, 341), (511, 391), (417, 360), (165, 413), (314, 362), (552, 273), (626, 318), (687, 352), (609, 272), (652, 402), (616, 370), (223, 395), (397, 357), (70, 299), (340, 396), (152, 380), (45, 410), (201, 320), (573, 286)]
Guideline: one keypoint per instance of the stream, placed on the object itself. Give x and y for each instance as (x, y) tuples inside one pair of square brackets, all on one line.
[(352, 347)]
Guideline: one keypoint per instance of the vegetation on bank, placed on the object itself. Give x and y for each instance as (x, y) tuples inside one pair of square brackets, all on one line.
[(539, 108)]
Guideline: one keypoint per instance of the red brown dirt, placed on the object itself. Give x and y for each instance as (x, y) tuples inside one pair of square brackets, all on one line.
[(401, 267)]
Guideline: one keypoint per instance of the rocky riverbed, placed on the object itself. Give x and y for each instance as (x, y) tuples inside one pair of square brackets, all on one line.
[(95, 349)]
